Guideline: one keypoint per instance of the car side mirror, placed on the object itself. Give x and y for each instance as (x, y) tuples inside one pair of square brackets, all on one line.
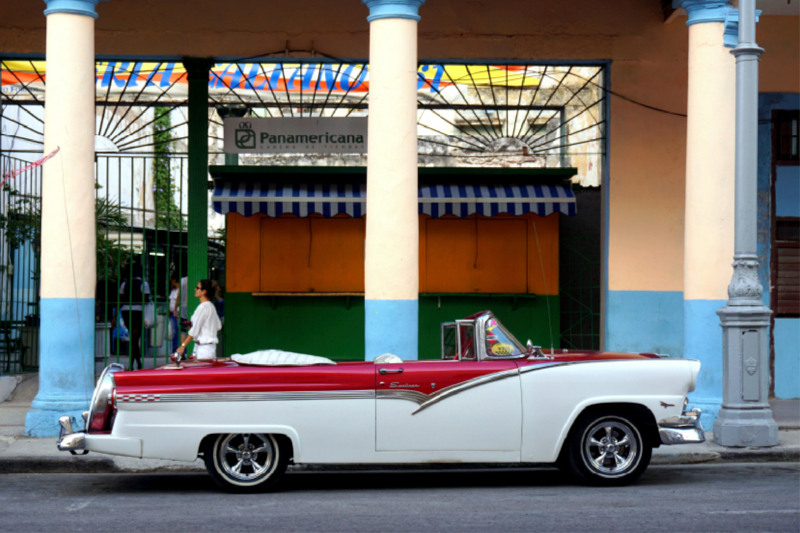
[(534, 352)]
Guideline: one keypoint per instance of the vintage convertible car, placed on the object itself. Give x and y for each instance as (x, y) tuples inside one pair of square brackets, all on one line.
[(489, 399)]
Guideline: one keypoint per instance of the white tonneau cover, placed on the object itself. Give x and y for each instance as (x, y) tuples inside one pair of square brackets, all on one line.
[(279, 358)]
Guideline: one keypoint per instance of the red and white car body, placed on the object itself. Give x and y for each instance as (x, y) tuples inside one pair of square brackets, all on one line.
[(523, 405)]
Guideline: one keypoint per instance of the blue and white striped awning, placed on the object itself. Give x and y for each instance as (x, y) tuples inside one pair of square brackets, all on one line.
[(490, 200), (248, 198)]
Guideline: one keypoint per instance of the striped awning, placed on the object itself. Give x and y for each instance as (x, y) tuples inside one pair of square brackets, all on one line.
[(248, 198), (490, 200)]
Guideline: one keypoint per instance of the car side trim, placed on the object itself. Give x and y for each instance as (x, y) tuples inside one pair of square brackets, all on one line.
[(426, 400), (248, 396)]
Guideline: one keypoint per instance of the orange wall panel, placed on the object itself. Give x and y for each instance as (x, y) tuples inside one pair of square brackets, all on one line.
[(312, 254), (450, 254), (487, 255), (285, 254), (337, 254), (543, 258), (243, 260), (502, 264)]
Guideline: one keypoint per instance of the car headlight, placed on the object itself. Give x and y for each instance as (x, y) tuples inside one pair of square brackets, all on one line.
[(102, 405)]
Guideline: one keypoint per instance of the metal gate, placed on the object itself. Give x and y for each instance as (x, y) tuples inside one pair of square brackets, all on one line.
[(20, 244)]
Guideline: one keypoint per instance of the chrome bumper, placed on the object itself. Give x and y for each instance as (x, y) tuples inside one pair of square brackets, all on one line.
[(684, 429), (69, 441)]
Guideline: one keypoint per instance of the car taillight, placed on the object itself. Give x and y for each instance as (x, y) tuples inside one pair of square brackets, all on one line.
[(103, 408)]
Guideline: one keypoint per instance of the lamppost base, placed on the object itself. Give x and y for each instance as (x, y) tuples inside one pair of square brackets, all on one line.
[(745, 428)]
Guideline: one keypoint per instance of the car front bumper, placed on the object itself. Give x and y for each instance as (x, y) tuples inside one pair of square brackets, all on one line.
[(683, 429)]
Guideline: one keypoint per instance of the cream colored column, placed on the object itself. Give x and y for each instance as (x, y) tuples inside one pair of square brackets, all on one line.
[(710, 190), (392, 245), (66, 337), (68, 227), (710, 152)]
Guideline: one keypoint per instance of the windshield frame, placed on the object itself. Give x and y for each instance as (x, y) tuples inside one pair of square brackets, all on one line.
[(485, 354)]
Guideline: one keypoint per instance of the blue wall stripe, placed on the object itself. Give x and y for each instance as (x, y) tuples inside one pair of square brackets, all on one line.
[(391, 326), (787, 358), (645, 321), (703, 341)]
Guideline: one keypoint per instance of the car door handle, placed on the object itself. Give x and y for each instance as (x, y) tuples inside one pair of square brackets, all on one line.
[(391, 370)]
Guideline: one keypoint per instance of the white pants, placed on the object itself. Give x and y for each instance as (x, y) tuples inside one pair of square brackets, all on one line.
[(205, 351)]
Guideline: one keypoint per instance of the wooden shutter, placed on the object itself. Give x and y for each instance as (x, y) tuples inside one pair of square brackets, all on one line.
[(787, 273)]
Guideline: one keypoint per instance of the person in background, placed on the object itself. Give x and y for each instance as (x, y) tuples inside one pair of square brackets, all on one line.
[(205, 322), (173, 312), (133, 294)]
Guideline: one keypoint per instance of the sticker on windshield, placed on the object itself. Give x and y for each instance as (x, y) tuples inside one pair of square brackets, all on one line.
[(503, 349)]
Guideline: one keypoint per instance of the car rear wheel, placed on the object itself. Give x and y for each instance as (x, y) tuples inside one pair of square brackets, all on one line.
[(607, 448), (246, 462)]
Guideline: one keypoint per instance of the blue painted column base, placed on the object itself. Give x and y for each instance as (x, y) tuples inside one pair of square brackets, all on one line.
[(66, 365), (391, 326), (703, 342), (45, 423)]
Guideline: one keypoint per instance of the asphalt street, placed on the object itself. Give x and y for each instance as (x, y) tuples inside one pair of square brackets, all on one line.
[(704, 498)]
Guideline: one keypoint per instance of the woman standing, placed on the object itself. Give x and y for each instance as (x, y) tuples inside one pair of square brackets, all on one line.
[(205, 322), (134, 293)]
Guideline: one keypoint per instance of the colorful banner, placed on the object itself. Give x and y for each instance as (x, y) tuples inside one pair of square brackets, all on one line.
[(167, 81)]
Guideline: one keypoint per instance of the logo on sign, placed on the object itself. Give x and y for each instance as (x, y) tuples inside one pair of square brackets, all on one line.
[(245, 136)]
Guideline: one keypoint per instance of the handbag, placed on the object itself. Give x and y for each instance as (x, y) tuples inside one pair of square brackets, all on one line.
[(120, 332), (149, 315)]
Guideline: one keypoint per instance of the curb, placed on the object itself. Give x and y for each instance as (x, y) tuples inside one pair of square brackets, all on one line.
[(107, 465)]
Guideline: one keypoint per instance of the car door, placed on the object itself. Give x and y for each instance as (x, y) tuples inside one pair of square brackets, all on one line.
[(448, 406)]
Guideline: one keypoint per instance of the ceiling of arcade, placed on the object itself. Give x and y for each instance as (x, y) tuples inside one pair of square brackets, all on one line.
[(511, 29)]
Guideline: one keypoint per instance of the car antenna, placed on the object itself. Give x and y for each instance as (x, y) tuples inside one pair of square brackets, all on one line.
[(546, 297)]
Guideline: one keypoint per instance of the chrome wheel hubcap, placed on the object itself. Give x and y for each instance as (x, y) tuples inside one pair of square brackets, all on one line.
[(611, 447), (246, 456)]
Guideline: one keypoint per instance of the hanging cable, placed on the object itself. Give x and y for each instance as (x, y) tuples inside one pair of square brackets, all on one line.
[(546, 296)]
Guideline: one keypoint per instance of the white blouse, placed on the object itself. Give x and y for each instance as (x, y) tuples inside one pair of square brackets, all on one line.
[(205, 324)]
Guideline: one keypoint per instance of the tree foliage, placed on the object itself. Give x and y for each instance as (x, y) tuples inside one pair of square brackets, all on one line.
[(168, 213)]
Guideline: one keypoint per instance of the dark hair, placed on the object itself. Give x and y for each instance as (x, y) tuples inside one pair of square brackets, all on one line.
[(211, 289)]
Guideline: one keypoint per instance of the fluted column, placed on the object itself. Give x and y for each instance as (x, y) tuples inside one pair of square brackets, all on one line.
[(709, 211), (66, 335), (392, 245)]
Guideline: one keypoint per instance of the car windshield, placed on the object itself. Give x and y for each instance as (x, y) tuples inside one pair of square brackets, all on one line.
[(500, 342)]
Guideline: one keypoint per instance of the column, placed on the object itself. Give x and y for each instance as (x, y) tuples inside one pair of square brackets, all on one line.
[(197, 239), (745, 418), (391, 303), (709, 212), (68, 264)]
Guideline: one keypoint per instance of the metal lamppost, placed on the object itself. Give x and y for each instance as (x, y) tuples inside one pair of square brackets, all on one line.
[(745, 418)]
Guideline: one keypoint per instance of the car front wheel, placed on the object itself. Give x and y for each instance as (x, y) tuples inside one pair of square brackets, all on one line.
[(246, 462), (607, 448)]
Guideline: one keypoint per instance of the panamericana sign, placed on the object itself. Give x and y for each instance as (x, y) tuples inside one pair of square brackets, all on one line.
[(294, 135)]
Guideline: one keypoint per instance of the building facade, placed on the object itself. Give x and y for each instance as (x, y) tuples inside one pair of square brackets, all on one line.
[(666, 222)]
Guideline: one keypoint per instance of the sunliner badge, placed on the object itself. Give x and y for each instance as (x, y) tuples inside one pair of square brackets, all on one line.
[(491, 399)]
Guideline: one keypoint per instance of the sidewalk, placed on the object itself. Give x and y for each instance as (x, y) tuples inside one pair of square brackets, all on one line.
[(20, 454)]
